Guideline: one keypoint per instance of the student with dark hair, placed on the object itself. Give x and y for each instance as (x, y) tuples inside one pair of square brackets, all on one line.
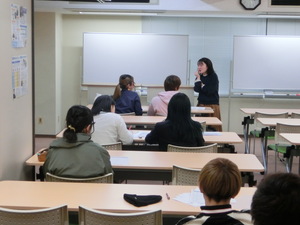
[(127, 100), (109, 126), (277, 200), (207, 85), (159, 104), (178, 128), (76, 155), (219, 181)]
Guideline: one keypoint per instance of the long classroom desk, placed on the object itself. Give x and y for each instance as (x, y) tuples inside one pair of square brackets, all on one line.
[(249, 119), (106, 197), (147, 165), (271, 123), (152, 120), (194, 110), (294, 139), (209, 137)]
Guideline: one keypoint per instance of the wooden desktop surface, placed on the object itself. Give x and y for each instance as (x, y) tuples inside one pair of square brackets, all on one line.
[(164, 161), (252, 111), (152, 120), (209, 137), (107, 197), (194, 110), (293, 138), (271, 122)]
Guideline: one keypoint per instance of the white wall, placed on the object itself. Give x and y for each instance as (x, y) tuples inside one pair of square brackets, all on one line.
[(16, 130)]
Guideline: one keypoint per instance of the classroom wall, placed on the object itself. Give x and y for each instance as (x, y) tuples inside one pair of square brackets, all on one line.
[(16, 130), (210, 37)]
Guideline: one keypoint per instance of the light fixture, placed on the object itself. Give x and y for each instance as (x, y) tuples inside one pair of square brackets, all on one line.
[(117, 13)]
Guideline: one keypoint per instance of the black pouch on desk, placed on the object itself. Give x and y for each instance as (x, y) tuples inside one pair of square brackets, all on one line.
[(142, 200)]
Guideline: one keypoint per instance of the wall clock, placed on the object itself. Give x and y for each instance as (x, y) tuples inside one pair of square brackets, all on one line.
[(250, 4)]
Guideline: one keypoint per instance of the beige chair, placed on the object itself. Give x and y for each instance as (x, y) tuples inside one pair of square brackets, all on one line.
[(185, 176), (212, 148), (89, 216), (280, 144), (107, 178), (295, 115), (49, 216), (256, 132), (113, 146)]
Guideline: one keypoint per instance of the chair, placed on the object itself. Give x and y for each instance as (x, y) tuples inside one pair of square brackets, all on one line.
[(295, 115), (107, 178), (185, 176), (257, 130), (203, 124), (212, 148), (113, 146), (49, 216), (89, 216), (280, 145)]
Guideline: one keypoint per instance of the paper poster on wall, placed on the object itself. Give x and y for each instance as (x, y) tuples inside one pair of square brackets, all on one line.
[(19, 27), (19, 76)]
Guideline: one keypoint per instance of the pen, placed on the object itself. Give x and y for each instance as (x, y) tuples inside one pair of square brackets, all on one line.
[(168, 197)]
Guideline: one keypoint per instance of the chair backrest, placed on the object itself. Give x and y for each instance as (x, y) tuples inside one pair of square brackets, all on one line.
[(295, 115), (127, 114), (49, 216), (113, 146), (269, 115), (107, 178), (285, 128), (212, 148), (89, 216), (185, 176)]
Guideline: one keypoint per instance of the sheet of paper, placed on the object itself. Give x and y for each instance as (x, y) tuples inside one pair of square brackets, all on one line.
[(194, 198), (211, 133), (140, 134), (119, 161), (197, 108)]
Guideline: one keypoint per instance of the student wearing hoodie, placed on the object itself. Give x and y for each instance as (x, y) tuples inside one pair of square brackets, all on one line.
[(159, 104)]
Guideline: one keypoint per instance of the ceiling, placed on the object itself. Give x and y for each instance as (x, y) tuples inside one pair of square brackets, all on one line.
[(178, 8)]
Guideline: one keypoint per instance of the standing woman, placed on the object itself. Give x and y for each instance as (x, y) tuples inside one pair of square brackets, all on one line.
[(178, 128), (76, 155), (127, 100), (207, 85)]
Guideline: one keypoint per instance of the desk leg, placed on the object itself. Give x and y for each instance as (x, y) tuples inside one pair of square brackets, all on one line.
[(265, 133), (246, 122)]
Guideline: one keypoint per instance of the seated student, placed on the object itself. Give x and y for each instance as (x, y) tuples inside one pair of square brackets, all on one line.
[(127, 100), (159, 104), (178, 128), (219, 181), (277, 200), (109, 126), (76, 155)]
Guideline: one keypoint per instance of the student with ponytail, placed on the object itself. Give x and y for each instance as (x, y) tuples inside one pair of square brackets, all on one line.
[(76, 155), (127, 100)]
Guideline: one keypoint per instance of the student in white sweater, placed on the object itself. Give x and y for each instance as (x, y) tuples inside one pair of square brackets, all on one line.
[(109, 126)]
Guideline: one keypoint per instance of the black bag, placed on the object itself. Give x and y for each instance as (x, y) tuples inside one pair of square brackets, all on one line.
[(142, 200)]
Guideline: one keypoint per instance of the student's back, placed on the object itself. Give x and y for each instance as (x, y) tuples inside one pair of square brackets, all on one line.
[(127, 101), (76, 155)]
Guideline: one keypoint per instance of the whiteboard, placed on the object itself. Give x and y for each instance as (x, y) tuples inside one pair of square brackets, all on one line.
[(266, 63), (149, 58)]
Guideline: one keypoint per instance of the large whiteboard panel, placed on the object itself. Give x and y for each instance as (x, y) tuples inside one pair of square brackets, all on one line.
[(266, 63), (149, 58)]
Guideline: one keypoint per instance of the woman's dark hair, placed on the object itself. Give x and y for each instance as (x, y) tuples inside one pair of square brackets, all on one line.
[(78, 118), (124, 80), (102, 104), (209, 64), (179, 113), (172, 83)]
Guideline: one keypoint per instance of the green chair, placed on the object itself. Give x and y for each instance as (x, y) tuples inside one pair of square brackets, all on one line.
[(280, 145), (256, 132)]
